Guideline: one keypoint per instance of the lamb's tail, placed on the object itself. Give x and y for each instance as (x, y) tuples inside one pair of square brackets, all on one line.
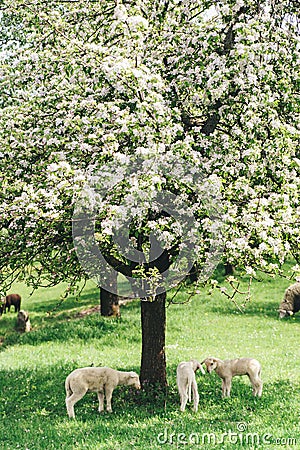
[(259, 372), (190, 389), (69, 391)]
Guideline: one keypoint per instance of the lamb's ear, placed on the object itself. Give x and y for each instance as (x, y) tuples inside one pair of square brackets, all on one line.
[(203, 361), (133, 374), (201, 369)]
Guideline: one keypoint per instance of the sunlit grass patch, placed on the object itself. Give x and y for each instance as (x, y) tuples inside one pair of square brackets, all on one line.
[(33, 368)]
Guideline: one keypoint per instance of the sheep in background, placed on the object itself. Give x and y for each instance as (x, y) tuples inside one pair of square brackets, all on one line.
[(186, 382), (233, 367), (291, 302), (96, 379), (23, 322), (8, 301)]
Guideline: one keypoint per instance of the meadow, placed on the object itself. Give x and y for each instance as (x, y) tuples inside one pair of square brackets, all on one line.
[(33, 368)]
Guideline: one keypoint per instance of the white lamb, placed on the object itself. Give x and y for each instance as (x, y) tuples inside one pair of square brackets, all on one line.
[(96, 379), (186, 382), (230, 368)]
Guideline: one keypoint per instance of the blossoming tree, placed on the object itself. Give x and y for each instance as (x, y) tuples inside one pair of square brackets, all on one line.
[(145, 112)]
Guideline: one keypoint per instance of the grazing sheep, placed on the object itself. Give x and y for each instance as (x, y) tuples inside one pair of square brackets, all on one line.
[(8, 301), (23, 322), (186, 382), (291, 302), (96, 379), (233, 367)]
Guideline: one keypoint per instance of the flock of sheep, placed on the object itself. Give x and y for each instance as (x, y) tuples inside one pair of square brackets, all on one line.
[(226, 370), (103, 380), (23, 322), (289, 305)]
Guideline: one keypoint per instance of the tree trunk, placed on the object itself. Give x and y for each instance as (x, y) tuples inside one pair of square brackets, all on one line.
[(153, 364), (109, 301), (193, 274), (228, 268)]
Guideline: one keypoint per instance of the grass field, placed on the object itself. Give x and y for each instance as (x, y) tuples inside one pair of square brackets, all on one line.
[(33, 368)]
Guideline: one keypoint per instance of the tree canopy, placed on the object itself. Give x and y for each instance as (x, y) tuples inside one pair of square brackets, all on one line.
[(195, 99)]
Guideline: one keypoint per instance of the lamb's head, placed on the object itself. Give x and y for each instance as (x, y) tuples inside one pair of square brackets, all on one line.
[(211, 364), (285, 313), (285, 309), (22, 316), (196, 365), (134, 380)]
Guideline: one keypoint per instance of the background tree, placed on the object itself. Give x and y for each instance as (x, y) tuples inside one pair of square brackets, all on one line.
[(87, 84)]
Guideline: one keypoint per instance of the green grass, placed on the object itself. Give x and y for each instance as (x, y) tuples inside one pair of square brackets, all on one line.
[(33, 368)]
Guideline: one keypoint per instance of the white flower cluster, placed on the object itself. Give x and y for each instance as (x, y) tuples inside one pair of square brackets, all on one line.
[(148, 87)]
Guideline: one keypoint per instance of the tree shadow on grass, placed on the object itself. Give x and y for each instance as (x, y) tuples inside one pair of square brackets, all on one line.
[(84, 328), (241, 405), (41, 320), (90, 297), (253, 309), (256, 310), (35, 399), (41, 392), (68, 323), (55, 305)]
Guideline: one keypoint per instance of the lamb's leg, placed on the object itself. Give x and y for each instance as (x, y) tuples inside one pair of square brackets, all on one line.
[(183, 400), (108, 394), (195, 395), (223, 388), (70, 408), (70, 402), (257, 386), (101, 401), (226, 387), (260, 388)]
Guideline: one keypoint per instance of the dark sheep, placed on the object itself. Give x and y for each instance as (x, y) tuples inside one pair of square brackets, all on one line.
[(8, 301), (291, 302)]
